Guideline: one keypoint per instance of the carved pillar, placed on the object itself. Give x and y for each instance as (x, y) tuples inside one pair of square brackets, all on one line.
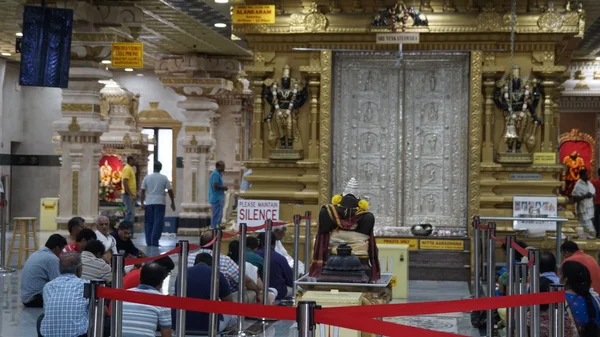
[(313, 72), (257, 72), (490, 75), (213, 123), (239, 139)]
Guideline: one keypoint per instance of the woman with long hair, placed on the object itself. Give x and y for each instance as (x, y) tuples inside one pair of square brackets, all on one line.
[(569, 327), (582, 306)]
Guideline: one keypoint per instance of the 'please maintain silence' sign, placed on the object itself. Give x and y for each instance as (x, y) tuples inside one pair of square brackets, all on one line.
[(256, 212)]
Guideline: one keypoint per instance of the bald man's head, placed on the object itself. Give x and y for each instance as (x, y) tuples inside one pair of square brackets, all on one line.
[(206, 238)]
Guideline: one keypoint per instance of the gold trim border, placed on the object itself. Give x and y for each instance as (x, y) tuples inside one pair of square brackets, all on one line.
[(325, 127), (475, 135), (75, 193)]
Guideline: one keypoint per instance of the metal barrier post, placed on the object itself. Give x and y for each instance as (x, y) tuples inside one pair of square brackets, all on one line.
[(213, 319), (267, 262), (510, 283), (182, 267), (307, 241), (242, 275), (296, 252), (557, 314), (477, 243), (558, 244), (534, 288), (305, 318), (4, 269), (96, 308), (116, 320), (491, 275), (520, 289)]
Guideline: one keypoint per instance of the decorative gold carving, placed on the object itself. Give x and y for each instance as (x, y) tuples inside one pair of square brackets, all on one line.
[(74, 126), (357, 6), (193, 128), (489, 19), (78, 107), (286, 154), (315, 21), (575, 135), (75, 192), (597, 75), (334, 7), (449, 6), (582, 86), (426, 6), (127, 140), (194, 141), (476, 110), (551, 20), (194, 187), (514, 158), (325, 127)]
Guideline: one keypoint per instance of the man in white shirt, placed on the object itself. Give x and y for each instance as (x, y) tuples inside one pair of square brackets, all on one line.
[(154, 188)]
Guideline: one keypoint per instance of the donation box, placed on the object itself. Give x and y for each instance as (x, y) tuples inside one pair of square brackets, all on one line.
[(48, 214), (333, 298), (394, 260)]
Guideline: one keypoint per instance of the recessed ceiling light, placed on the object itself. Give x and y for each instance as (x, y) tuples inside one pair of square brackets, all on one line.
[(128, 69), (106, 62), (221, 1), (5, 54), (19, 34), (140, 75), (598, 58), (220, 25)]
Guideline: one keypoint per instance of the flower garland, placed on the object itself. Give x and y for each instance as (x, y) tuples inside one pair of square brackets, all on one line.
[(276, 100), (521, 115)]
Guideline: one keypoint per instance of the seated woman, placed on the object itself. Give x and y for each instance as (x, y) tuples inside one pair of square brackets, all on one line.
[(582, 306), (569, 326)]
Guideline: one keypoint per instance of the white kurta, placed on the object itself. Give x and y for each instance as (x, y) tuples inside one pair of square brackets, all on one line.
[(585, 207)]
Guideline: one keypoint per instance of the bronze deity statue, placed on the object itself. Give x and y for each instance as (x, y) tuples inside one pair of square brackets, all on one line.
[(285, 100), (518, 103)]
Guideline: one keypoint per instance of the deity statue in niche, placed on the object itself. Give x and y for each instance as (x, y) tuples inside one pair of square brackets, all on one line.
[(370, 172), (110, 177), (370, 142), (285, 102), (429, 201), (574, 164), (346, 222), (518, 100), (369, 81), (429, 173), (368, 114), (432, 144)]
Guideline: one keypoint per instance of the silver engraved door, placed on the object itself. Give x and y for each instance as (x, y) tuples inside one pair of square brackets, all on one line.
[(401, 130)]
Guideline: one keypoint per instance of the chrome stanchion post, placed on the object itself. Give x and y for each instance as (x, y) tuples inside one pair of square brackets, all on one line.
[(534, 288), (116, 320), (477, 242), (182, 268), (242, 275), (4, 269), (558, 244), (307, 241), (213, 319), (305, 318), (96, 308), (491, 275), (510, 283), (296, 253), (267, 261), (520, 289), (557, 314)]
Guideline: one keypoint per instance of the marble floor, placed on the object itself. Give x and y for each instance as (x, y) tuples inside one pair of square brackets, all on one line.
[(15, 320)]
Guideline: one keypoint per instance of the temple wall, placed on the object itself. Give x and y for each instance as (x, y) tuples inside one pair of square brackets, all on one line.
[(584, 121)]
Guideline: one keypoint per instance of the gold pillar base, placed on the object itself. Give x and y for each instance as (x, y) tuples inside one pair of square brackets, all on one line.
[(514, 158)]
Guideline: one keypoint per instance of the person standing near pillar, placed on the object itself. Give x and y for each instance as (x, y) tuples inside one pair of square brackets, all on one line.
[(596, 183), (216, 193), (129, 189), (154, 188)]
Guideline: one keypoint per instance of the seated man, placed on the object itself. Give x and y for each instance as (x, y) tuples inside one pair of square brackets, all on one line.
[(279, 232), (103, 234), (94, 267), (251, 256), (227, 266), (75, 225), (40, 268), (198, 286), (281, 277), (65, 309), (84, 236), (123, 238), (571, 252), (132, 279), (141, 319)]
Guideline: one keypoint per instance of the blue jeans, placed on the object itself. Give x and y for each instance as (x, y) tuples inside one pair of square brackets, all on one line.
[(129, 207), (154, 221), (217, 213)]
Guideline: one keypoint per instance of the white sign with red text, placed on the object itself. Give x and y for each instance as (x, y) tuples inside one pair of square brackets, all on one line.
[(256, 212)]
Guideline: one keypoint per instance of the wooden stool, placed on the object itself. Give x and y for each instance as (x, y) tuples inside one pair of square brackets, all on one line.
[(25, 229)]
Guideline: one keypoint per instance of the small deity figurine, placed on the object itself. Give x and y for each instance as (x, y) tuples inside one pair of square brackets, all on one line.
[(346, 222), (518, 103), (574, 164), (399, 14), (285, 102)]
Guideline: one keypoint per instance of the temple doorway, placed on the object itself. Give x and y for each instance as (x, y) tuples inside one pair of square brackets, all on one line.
[(401, 129)]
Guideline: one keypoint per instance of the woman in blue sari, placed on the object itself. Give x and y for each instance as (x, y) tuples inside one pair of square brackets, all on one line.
[(582, 306)]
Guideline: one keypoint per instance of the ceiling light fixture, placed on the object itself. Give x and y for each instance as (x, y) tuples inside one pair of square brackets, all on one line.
[(19, 34), (598, 58), (106, 62), (220, 25), (140, 75), (221, 1), (128, 69), (5, 54)]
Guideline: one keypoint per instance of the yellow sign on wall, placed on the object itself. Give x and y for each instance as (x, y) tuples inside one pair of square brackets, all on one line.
[(127, 55), (253, 15), (413, 244), (442, 244), (544, 158)]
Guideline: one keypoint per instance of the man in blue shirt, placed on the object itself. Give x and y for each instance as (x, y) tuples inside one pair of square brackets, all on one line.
[(198, 286), (281, 277), (216, 194), (40, 268)]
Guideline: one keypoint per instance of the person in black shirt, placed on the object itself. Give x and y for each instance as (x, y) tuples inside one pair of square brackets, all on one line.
[(123, 237)]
